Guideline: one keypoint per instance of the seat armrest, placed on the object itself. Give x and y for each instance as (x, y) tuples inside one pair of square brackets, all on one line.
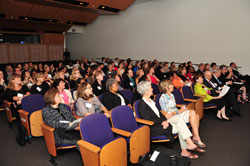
[(91, 147), (203, 96), (48, 128), (121, 132), (192, 100), (146, 122), (179, 105), (23, 112)]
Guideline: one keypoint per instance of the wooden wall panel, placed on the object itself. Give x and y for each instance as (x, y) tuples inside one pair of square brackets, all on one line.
[(55, 52), (3, 54), (17, 53), (52, 39)]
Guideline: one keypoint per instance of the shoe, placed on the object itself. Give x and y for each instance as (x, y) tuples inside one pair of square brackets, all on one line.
[(191, 156), (197, 149), (199, 144), (220, 119), (227, 120)]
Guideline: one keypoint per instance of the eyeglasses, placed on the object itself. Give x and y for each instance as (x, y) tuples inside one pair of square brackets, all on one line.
[(89, 87)]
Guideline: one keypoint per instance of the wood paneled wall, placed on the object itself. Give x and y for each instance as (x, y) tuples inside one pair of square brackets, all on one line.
[(18, 53), (52, 39)]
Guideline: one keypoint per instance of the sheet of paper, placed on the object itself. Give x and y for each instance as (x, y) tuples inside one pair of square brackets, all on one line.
[(224, 90)]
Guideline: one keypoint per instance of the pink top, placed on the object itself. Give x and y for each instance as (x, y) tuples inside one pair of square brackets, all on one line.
[(65, 97), (153, 79)]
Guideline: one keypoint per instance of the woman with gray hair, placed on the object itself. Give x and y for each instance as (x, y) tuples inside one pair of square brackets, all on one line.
[(112, 97), (148, 110)]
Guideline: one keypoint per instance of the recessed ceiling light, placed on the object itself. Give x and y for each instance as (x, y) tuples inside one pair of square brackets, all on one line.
[(81, 3), (50, 20), (26, 18), (103, 7)]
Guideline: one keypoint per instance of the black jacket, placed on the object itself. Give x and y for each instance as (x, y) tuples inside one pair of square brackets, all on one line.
[(110, 100), (147, 113), (98, 89)]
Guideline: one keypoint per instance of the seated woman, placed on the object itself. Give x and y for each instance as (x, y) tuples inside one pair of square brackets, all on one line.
[(27, 80), (15, 93), (40, 87), (98, 86), (139, 76), (151, 75), (112, 97), (56, 112), (64, 93), (148, 110), (177, 81), (87, 103), (168, 105), (201, 89), (129, 82), (60, 74), (117, 77), (75, 75), (183, 75), (2, 87)]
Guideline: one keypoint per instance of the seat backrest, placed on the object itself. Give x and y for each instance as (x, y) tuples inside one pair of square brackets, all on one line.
[(122, 117), (156, 89), (157, 101), (178, 97), (100, 97), (127, 93), (33, 103), (187, 92), (96, 129), (135, 107), (192, 87)]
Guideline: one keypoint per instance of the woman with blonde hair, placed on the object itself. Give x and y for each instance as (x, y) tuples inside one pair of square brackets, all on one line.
[(75, 75), (40, 87), (60, 74), (15, 93), (168, 105)]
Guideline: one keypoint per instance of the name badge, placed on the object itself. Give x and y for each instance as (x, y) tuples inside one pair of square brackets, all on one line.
[(99, 88), (38, 89), (30, 84), (19, 95), (61, 95), (206, 89), (88, 105), (131, 84), (49, 76)]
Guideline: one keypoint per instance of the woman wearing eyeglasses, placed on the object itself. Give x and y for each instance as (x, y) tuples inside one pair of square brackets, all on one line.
[(87, 103)]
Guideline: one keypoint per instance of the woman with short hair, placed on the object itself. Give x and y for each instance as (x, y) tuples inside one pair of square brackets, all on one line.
[(112, 97), (40, 87), (168, 105), (98, 86), (54, 114), (148, 110)]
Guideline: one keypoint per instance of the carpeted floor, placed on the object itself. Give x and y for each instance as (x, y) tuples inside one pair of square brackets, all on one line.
[(227, 144)]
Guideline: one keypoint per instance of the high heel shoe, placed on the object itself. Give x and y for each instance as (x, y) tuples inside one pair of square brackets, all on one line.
[(228, 120), (220, 119)]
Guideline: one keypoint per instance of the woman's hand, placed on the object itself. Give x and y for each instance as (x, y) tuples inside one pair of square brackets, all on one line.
[(182, 109), (130, 106), (168, 115), (165, 124), (217, 97), (107, 114)]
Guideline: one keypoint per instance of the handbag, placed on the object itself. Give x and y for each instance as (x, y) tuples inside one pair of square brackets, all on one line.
[(162, 159)]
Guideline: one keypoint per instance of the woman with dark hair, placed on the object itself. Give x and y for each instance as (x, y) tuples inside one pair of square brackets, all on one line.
[(87, 103), (2, 87), (55, 114), (27, 80), (201, 89), (129, 82), (151, 75), (112, 97), (64, 93)]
